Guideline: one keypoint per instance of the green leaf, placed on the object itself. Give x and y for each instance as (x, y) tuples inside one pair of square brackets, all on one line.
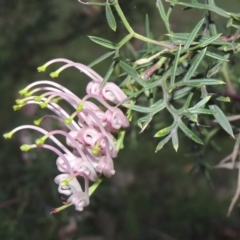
[(110, 18), (193, 34), (162, 143), (163, 132), (187, 103), (175, 65), (92, 3), (164, 16), (152, 109), (140, 109), (201, 103), (194, 65), (132, 72), (216, 67), (216, 56), (147, 25), (208, 41), (141, 121), (103, 42), (100, 59), (223, 99), (221, 119), (189, 133), (215, 9), (181, 93), (183, 37), (175, 143), (200, 82), (161, 10), (108, 74), (201, 111)]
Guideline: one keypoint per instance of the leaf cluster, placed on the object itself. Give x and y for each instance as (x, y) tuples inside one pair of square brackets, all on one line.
[(179, 75)]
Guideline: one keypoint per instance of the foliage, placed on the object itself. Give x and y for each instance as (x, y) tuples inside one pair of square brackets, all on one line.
[(180, 74), (179, 84)]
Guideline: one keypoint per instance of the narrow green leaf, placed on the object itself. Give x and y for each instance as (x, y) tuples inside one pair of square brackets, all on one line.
[(162, 143), (161, 10), (189, 133), (200, 82), (201, 111), (223, 99), (175, 143), (132, 72), (183, 37), (210, 23), (216, 56), (103, 42), (140, 109), (208, 41), (193, 34), (180, 36), (141, 121), (181, 93), (147, 26), (175, 65), (152, 109), (108, 74), (221, 119), (216, 67), (110, 18), (201, 103), (194, 65), (92, 3), (135, 94), (163, 132), (100, 59), (187, 103), (215, 9), (164, 15)]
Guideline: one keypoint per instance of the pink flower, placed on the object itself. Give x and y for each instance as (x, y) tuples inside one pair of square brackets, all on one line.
[(90, 139), (110, 92)]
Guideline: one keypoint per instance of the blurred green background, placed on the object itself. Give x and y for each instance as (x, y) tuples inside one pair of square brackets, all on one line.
[(152, 196)]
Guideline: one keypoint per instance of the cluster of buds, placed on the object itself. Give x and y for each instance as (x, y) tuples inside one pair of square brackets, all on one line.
[(91, 142)]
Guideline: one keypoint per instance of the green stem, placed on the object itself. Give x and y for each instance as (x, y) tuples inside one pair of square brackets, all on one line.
[(167, 97), (124, 40), (134, 34), (122, 17), (145, 39)]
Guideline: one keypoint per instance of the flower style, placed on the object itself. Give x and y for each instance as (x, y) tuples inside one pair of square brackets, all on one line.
[(91, 142)]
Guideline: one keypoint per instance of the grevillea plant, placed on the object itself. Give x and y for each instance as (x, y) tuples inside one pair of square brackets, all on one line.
[(186, 75)]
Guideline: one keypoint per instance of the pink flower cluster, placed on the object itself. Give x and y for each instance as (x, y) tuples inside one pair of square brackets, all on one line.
[(90, 142)]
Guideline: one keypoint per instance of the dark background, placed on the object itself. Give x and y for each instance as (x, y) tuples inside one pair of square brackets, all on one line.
[(152, 196)]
